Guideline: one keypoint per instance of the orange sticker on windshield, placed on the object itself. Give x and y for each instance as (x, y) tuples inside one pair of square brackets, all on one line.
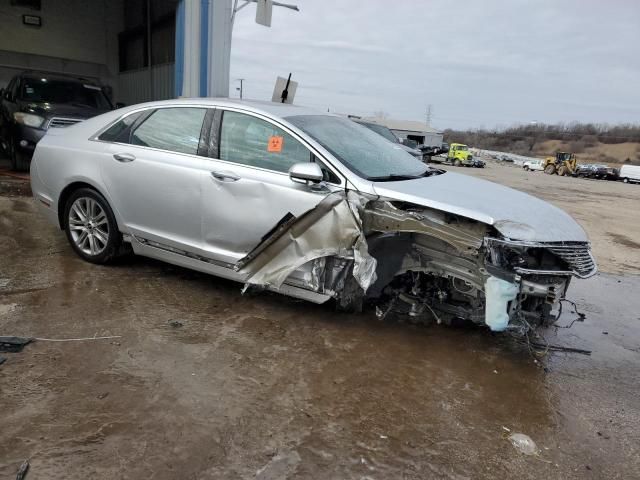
[(275, 144)]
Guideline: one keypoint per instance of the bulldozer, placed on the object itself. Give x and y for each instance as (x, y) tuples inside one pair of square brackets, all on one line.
[(564, 163)]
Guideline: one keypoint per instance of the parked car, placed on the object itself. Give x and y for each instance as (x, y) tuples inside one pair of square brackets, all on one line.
[(630, 173), (308, 204), (388, 134), (600, 172), (34, 102), (477, 163), (604, 172), (584, 170), (533, 165)]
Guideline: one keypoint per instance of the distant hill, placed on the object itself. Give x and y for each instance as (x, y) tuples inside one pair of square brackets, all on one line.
[(591, 143)]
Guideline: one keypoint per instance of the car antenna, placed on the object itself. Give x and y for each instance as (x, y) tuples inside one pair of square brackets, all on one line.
[(285, 92)]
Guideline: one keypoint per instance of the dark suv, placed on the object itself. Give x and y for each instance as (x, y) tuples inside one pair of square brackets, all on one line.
[(33, 102)]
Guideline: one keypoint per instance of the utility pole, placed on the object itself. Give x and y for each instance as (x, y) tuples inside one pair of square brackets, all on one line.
[(240, 87), (429, 115)]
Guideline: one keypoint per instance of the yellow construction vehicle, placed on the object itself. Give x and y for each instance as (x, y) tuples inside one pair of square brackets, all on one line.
[(563, 163)]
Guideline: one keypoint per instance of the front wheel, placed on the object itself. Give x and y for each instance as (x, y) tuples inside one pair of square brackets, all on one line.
[(18, 160), (457, 163), (550, 169), (625, 180), (91, 227), (526, 167)]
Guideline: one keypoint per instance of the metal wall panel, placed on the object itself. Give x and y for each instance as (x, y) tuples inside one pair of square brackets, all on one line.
[(135, 86)]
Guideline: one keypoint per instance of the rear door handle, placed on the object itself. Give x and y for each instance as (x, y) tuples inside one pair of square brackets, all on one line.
[(225, 176), (124, 157)]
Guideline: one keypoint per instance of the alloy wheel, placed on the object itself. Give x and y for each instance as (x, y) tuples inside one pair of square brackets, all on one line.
[(88, 225)]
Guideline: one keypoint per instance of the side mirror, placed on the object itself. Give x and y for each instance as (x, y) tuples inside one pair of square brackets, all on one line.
[(306, 172), (120, 105)]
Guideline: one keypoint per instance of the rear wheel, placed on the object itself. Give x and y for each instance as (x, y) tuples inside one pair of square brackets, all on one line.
[(457, 163), (625, 180), (91, 227), (550, 169), (526, 167)]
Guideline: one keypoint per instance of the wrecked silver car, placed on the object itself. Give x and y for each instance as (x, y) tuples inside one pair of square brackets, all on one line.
[(310, 205)]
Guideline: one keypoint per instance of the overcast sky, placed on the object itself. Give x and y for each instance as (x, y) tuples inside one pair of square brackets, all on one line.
[(478, 63)]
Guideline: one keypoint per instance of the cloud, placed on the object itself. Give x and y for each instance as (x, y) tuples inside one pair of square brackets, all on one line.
[(477, 63)]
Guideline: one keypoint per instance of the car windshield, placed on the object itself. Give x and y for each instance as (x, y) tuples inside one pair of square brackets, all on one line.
[(60, 91), (381, 130), (362, 151), (463, 148)]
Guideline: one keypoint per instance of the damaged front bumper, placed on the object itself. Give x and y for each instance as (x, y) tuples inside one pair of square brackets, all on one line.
[(416, 261)]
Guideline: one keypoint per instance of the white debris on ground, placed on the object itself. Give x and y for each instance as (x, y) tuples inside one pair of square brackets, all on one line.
[(524, 444)]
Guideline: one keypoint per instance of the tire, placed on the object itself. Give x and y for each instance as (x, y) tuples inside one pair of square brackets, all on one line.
[(95, 239), (562, 171), (457, 163), (526, 167), (550, 169), (625, 180), (18, 160)]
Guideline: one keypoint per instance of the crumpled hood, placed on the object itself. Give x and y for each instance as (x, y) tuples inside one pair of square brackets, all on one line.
[(516, 215)]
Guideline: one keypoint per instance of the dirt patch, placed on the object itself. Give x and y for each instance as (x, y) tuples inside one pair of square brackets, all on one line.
[(12, 187), (624, 240)]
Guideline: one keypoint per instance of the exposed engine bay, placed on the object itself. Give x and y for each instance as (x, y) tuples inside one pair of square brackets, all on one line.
[(419, 262)]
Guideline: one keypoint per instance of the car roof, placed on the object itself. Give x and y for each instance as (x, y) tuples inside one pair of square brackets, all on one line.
[(279, 110)]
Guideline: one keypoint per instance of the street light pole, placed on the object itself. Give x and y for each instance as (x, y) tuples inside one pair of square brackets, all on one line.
[(240, 89)]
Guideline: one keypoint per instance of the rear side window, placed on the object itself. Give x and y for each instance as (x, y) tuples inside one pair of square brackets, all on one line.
[(174, 129), (251, 141), (119, 131)]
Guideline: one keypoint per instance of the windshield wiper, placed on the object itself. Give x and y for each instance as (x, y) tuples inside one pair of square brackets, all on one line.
[(392, 177)]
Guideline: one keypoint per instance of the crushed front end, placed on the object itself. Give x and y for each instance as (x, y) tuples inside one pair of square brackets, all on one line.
[(419, 262)]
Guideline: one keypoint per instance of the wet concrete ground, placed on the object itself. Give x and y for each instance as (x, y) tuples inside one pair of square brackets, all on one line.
[(262, 386)]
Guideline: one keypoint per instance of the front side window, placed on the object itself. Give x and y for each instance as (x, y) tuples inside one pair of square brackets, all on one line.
[(362, 151), (251, 141), (174, 129)]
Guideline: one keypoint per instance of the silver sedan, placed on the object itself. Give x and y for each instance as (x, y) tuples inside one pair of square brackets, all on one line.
[(310, 205)]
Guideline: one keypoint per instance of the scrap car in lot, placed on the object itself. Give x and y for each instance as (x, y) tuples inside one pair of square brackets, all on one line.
[(388, 134), (533, 165), (307, 204)]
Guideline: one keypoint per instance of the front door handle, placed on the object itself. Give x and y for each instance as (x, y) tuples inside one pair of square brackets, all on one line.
[(124, 157), (225, 176)]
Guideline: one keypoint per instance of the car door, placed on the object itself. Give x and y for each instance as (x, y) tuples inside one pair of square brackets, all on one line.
[(153, 175), (249, 190)]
